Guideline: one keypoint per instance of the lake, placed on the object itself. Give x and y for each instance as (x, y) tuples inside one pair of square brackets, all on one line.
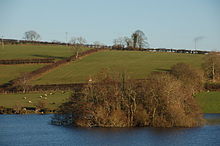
[(36, 130)]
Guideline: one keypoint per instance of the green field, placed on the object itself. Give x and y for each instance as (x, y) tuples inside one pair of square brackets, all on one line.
[(52, 101), (135, 63), (35, 51), (9, 72), (209, 101)]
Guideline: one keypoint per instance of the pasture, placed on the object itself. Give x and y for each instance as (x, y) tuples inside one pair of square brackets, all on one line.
[(209, 101), (134, 63), (10, 72), (24, 51), (51, 101)]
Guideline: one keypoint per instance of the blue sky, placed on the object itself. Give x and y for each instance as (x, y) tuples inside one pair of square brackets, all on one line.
[(166, 23)]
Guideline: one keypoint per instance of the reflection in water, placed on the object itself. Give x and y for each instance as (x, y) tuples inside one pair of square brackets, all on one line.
[(36, 130), (212, 119)]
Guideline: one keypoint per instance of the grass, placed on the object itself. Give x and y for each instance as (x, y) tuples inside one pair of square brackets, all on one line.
[(209, 101), (9, 72), (23, 51), (52, 101), (136, 64)]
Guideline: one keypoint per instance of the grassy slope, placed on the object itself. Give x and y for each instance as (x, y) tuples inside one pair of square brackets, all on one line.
[(35, 51), (9, 72), (136, 64), (10, 100), (209, 101)]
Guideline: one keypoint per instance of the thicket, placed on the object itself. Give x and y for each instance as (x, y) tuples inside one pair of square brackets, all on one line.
[(211, 66), (114, 100)]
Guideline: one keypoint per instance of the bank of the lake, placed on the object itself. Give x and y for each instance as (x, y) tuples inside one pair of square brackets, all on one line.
[(209, 101)]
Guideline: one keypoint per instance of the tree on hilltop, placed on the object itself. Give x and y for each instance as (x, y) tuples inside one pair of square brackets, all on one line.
[(31, 35)]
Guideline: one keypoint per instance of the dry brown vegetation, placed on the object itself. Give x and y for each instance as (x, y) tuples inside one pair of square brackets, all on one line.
[(211, 66), (191, 77), (114, 100)]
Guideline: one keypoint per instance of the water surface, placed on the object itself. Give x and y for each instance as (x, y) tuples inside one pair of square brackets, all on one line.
[(36, 130)]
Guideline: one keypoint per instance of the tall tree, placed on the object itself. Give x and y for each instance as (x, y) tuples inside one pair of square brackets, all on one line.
[(31, 35), (139, 39)]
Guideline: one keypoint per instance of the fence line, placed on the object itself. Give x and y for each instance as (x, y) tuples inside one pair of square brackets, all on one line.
[(28, 61)]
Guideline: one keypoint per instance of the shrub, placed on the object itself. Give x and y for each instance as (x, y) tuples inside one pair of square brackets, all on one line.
[(111, 100), (211, 66), (191, 77), (169, 103)]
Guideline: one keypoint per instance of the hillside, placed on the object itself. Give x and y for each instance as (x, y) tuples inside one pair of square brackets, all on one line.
[(135, 63)]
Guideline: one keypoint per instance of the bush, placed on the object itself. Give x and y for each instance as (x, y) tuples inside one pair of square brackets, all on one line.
[(191, 77), (170, 103), (112, 100), (211, 66)]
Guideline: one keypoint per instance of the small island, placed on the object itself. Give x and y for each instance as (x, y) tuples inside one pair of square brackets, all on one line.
[(163, 99)]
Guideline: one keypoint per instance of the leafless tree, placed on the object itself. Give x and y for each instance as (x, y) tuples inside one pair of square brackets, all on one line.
[(128, 41), (119, 42), (139, 39), (77, 43), (31, 35), (212, 66), (97, 43)]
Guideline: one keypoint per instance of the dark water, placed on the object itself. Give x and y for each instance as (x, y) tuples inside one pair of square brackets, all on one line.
[(36, 130)]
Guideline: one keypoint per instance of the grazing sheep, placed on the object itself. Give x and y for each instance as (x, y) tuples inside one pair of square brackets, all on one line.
[(25, 97), (29, 101), (41, 96), (45, 98), (51, 93), (45, 94)]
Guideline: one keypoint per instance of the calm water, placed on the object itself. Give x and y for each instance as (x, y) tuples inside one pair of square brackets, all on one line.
[(36, 130)]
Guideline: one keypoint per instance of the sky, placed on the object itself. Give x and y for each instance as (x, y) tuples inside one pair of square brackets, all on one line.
[(166, 23)]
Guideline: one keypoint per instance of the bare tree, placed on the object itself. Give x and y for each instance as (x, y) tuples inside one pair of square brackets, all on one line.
[(77, 43), (97, 43), (128, 41), (211, 66), (139, 39), (119, 42), (31, 35)]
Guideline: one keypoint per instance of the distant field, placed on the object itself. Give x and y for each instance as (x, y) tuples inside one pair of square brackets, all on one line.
[(9, 72), (136, 64), (35, 51), (209, 101), (52, 101)]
